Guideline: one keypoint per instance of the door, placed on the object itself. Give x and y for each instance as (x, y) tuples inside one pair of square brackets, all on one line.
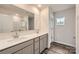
[(65, 27)]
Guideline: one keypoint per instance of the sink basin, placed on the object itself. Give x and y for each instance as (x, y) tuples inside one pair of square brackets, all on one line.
[(13, 40), (16, 39)]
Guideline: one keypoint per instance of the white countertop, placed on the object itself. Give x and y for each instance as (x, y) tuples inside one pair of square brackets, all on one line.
[(13, 41)]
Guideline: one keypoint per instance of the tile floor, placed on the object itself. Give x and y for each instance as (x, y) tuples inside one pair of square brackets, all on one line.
[(57, 48)]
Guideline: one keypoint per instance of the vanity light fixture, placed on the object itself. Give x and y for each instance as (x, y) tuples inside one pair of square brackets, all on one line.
[(17, 14), (39, 5), (16, 18), (5, 15)]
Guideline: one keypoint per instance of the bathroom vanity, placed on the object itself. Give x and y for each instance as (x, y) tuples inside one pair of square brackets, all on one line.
[(32, 45), (18, 33)]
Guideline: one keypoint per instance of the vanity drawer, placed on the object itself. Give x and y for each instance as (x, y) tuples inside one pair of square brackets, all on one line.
[(16, 48), (26, 50), (37, 39), (43, 36)]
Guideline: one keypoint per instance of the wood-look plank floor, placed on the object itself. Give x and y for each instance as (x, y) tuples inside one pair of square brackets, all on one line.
[(57, 48)]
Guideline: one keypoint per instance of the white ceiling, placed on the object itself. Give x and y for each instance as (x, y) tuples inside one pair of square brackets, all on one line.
[(36, 5), (55, 7), (59, 7), (13, 10)]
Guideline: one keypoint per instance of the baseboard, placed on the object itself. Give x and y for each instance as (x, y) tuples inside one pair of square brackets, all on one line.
[(65, 44)]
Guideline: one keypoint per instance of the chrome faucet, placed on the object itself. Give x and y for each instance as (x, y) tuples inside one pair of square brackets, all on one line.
[(37, 30), (16, 35)]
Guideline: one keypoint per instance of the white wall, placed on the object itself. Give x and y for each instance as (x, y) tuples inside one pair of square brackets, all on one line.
[(65, 34), (44, 22), (77, 29), (51, 25)]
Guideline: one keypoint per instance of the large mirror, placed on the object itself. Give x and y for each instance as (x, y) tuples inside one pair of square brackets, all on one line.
[(14, 19)]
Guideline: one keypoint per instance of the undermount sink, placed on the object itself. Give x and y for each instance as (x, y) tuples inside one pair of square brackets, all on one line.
[(13, 40), (16, 39)]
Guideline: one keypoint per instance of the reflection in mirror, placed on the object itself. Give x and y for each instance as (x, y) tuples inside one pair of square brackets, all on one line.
[(6, 23), (15, 19), (31, 22)]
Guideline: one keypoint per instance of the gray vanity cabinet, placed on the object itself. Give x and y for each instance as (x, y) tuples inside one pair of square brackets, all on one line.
[(33, 46), (41, 45), (36, 46), (26, 50), (43, 42), (18, 48)]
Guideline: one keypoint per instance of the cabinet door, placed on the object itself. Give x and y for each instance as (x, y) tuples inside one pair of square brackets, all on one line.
[(26, 50), (43, 42), (36, 46), (37, 51), (41, 45), (16, 48)]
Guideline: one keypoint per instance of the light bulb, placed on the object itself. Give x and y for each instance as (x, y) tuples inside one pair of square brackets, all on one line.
[(16, 18), (39, 5)]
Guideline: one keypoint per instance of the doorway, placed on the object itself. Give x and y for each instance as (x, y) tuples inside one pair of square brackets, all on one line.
[(65, 27)]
